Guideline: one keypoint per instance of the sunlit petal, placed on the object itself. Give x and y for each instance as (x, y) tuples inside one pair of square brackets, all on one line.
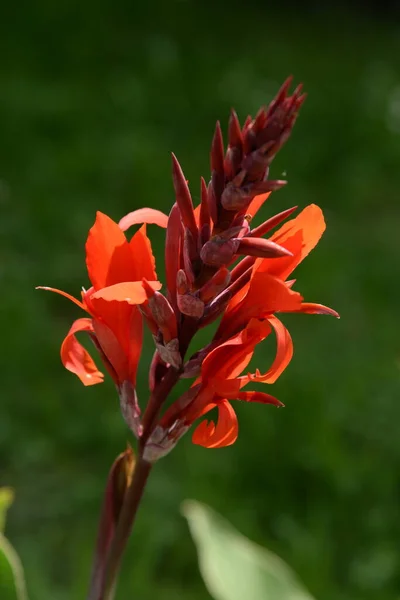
[(108, 255), (310, 308), (257, 203), (142, 261), (224, 433), (283, 356), (65, 294), (144, 215), (299, 236), (74, 356), (131, 292)]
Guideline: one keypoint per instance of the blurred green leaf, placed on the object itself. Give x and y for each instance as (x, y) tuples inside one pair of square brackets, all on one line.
[(6, 499), (12, 580), (232, 566)]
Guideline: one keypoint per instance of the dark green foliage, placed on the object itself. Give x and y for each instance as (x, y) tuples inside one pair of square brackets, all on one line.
[(93, 97)]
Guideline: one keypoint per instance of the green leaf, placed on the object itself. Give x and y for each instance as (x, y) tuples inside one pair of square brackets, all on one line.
[(232, 566), (6, 499), (12, 580)]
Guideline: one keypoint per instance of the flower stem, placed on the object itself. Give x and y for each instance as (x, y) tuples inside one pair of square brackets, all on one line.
[(124, 527)]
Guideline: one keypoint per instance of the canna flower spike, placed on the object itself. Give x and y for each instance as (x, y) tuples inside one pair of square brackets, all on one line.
[(217, 266)]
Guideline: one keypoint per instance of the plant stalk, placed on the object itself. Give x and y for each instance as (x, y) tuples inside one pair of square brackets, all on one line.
[(124, 527)]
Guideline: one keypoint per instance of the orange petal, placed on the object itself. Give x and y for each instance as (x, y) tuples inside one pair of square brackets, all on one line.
[(131, 292), (266, 295), (135, 335), (108, 255), (299, 236), (112, 349), (144, 215), (310, 308), (143, 263), (257, 203), (74, 300), (74, 356), (126, 325), (260, 397), (283, 356), (223, 434), (230, 358)]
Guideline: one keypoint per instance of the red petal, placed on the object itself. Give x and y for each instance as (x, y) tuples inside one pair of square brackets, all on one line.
[(310, 308), (223, 434), (76, 359), (120, 335), (112, 349), (144, 215), (283, 356), (131, 292), (257, 203), (258, 397), (266, 295), (299, 236), (230, 358), (143, 262), (108, 255), (74, 300)]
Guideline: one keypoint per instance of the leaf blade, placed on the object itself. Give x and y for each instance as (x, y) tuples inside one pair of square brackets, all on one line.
[(232, 566)]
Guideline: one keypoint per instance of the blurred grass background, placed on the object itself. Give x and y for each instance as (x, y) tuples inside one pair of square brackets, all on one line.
[(93, 97)]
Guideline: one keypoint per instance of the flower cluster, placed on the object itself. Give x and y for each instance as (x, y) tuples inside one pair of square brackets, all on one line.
[(217, 267)]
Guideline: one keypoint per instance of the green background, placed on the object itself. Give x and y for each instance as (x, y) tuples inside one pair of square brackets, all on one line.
[(93, 97)]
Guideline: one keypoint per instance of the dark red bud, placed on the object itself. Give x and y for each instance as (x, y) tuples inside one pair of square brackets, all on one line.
[(261, 248), (219, 252), (271, 223), (183, 197)]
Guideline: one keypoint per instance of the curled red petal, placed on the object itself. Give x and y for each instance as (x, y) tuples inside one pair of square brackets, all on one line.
[(151, 216), (283, 356), (224, 433), (76, 358)]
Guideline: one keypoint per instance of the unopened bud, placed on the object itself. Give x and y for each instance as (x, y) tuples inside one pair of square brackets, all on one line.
[(181, 282), (261, 248), (162, 313), (190, 305), (218, 252)]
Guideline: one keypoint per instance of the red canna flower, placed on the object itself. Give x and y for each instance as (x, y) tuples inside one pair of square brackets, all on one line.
[(116, 269), (216, 266)]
